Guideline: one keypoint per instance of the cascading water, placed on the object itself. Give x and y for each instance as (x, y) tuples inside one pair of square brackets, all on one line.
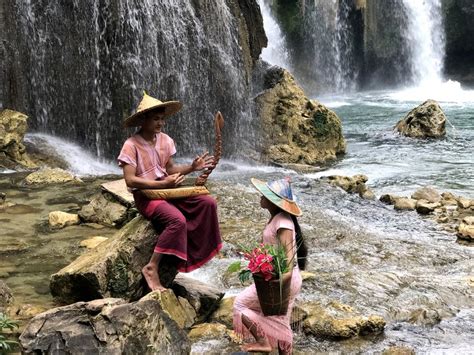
[(425, 36), (276, 52), (329, 65), (83, 68)]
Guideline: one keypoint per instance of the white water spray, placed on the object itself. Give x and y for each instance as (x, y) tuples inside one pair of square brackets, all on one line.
[(426, 39), (275, 52)]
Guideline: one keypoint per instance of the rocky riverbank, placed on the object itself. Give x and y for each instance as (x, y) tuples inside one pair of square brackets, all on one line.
[(355, 271)]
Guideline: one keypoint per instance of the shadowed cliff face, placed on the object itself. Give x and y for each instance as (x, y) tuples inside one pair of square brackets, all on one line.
[(78, 69)]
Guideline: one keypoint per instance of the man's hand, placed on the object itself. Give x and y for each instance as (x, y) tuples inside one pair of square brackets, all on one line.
[(204, 161), (173, 180)]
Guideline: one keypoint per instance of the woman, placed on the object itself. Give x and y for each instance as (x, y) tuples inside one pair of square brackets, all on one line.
[(271, 332), (190, 230)]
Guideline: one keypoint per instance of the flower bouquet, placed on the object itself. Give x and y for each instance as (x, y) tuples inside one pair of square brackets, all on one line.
[(268, 266)]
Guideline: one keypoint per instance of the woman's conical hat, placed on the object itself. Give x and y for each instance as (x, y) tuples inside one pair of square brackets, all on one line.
[(149, 104), (279, 193)]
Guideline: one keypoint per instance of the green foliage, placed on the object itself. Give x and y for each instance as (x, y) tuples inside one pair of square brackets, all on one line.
[(9, 324)]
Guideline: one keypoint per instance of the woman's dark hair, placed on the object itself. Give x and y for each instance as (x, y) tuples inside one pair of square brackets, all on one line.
[(301, 249)]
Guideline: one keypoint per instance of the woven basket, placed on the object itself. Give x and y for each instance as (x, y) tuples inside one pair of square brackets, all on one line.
[(273, 297), (178, 192)]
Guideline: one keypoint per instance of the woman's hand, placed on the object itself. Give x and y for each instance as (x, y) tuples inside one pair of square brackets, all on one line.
[(173, 180), (204, 161)]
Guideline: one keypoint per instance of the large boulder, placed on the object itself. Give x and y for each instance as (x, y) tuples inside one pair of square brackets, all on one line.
[(48, 176), (13, 127), (110, 326), (113, 269), (105, 209), (425, 121), (295, 129)]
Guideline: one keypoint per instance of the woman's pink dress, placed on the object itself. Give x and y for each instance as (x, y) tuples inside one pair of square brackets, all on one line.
[(276, 328)]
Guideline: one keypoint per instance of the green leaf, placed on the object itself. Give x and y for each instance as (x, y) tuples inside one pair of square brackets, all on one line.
[(234, 267)]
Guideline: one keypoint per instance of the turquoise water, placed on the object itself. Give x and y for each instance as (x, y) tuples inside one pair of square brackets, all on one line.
[(397, 164)]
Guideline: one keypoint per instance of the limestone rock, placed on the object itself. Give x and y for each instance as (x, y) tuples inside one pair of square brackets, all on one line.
[(339, 321), (93, 242), (405, 204), (398, 350), (59, 219), (296, 130), (208, 331), (113, 269), (469, 220), (425, 207), (118, 189), (13, 127), (425, 121), (106, 326), (202, 297), (354, 184), (388, 199), (464, 203), (50, 176), (427, 193), (223, 314), (466, 232), (104, 209)]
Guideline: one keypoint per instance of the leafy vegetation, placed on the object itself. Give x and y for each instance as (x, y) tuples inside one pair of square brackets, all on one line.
[(6, 344)]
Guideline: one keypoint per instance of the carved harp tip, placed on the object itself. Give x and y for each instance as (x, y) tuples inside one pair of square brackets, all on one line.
[(219, 119)]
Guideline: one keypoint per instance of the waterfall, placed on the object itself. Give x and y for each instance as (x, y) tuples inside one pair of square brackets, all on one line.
[(426, 40), (276, 52), (325, 61), (83, 67)]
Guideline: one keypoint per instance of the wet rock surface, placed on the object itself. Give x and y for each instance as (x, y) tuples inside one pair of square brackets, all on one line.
[(106, 326), (425, 121)]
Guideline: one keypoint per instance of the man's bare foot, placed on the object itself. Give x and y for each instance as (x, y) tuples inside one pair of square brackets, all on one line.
[(150, 272), (263, 346)]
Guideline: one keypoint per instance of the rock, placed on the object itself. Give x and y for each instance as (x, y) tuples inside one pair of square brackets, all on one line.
[(405, 204), (50, 176), (106, 326), (466, 232), (296, 130), (307, 276), (202, 297), (6, 296), (113, 268), (469, 220), (398, 350), (13, 127), (424, 207), (93, 242), (223, 314), (427, 193), (464, 203), (118, 189), (58, 219), (104, 209), (208, 331), (354, 184), (425, 121), (339, 321), (389, 199), (27, 311)]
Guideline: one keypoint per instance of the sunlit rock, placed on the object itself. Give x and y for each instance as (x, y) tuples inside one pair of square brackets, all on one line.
[(339, 321), (208, 331), (59, 219), (223, 314), (296, 129), (426, 207), (109, 326), (50, 176), (405, 204), (13, 126), (105, 209), (466, 232), (354, 184), (113, 268), (425, 121), (427, 193), (93, 242)]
